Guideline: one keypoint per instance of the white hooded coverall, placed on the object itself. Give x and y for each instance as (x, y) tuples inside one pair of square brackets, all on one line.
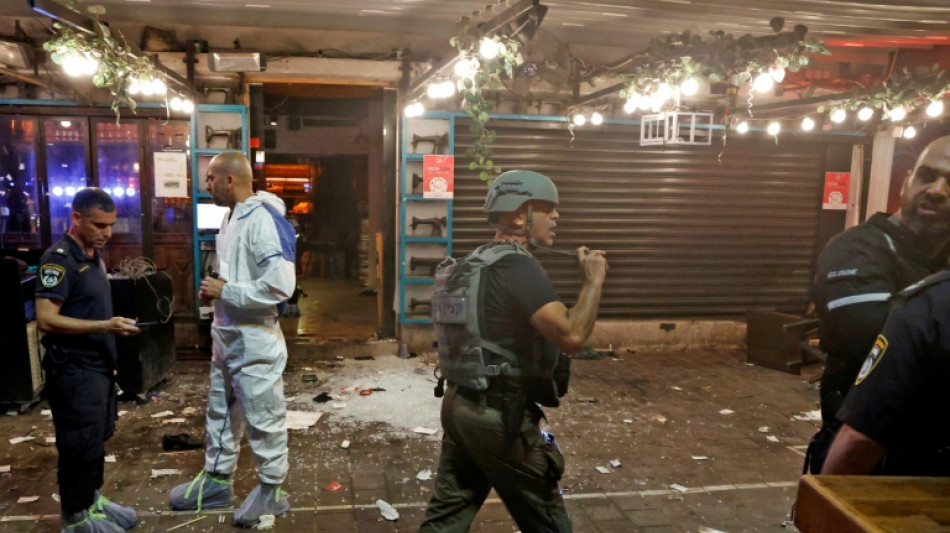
[(255, 254)]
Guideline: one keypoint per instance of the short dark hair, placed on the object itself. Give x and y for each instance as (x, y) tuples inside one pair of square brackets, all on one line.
[(91, 198)]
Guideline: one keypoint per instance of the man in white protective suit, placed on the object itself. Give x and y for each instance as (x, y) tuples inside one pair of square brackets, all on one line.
[(255, 275)]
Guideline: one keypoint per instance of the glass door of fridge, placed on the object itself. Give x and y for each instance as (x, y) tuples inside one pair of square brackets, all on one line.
[(118, 167), (19, 190), (67, 168)]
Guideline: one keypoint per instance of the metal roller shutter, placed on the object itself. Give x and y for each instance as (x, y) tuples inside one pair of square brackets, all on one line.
[(689, 234)]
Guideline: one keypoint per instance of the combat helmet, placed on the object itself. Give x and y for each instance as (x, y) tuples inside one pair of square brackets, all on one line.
[(513, 188)]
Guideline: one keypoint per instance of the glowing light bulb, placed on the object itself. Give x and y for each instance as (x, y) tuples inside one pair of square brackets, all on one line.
[(57, 191), (65, 123), (130, 192), (897, 114), (447, 89), (808, 124), (596, 119), (134, 86), (466, 67), (146, 88), (188, 106), (70, 190), (158, 86), (580, 120), (689, 87), (743, 127), (910, 132), (763, 83), (664, 92), (935, 109), (865, 113), (414, 109), (838, 116), (778, 74), (773, 128), (118, 191), (433, 90), (74, 64), (489, 48), (632, 103), (175, 103)]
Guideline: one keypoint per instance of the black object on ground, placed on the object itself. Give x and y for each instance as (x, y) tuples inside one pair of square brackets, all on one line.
[(323, 397), (182, 441), (364, 358), (590, 353)]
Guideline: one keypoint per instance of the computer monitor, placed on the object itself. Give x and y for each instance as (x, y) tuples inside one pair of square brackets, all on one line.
[(210, 216)]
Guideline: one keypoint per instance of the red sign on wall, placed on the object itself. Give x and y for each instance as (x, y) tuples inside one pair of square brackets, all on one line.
[(438, 176), (836, 190)]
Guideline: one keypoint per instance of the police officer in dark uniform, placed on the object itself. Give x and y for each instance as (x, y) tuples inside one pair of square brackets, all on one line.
[(889, 426), (491, 418), (860, 269), (74, 310)]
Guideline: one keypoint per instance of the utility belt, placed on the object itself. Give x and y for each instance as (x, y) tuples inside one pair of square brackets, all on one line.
[(492, 400)]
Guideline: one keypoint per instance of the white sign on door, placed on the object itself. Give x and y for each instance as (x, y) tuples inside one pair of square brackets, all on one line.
[(171, 175)]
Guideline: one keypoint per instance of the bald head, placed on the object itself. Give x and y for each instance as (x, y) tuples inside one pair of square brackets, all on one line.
[(925, 195), (230, 179)]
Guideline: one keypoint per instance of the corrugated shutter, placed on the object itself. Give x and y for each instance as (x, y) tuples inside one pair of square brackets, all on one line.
[(690, 231)]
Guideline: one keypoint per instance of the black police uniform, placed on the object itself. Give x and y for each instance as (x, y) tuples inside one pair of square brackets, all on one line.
[(492, 438), (855, 276), (79, 370), (903, 383)]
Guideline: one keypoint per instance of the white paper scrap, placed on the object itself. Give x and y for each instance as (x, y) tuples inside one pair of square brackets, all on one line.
[(174, 421), (46, 412), (265, 521), (18, 440), (4, 469), (339, 405), (302, 419), (50, 440), (726, 411), (771, 438), (674, 387), (704, 529), (700, 458), (55, 497), (110, 458), (159, 472), (425, 431), (603, 469), (345, 444), (123, 413), (388, 512), (424, 475), (809, 416), (189, 411), (615, 463), (764, 429), (163, 414), (628, 421), (678, 487), (27, 499)]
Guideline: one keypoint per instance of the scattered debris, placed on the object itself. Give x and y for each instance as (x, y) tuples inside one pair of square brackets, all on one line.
[(309, 378), (174, 421), (808, 416), (388, 512), (46, 412), (163, 414), (726, 411), (674, 387), (323, 397), (364, 358), (586, 399), (188, 411), (771, 438), (366, 392), (122, 413), (50, 440), (181, 441), (159, 472), (266, 521), (628, 421), (55, 497), (302, 419), (110, 459), (334, 486), (18, 440), (704, 529), (659, 418), (339, 405), (221, 519), (183, 524), (615, 463), (678, 487), (700, 458), (764, 429), (424, 475), (28, 499), (425, 431), (4, 469), (12, 412), (603, 470), (345, 444)]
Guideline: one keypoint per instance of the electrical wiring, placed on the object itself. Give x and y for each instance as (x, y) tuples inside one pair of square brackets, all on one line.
[(140, 268)]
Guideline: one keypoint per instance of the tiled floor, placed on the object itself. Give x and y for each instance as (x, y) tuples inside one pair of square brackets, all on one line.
[(657, 413)]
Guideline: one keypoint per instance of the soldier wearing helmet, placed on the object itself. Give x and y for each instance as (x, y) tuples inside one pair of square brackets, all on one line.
[(500, 327)]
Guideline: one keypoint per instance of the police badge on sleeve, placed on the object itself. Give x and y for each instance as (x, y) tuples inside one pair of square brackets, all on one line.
[(51, 275), (877, 352)]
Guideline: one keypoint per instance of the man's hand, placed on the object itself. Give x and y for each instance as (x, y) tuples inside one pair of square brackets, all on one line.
[(121, 326), (211, 288), (593, 263)]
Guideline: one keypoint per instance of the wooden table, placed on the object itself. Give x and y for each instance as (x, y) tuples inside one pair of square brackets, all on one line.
[(850, 504)]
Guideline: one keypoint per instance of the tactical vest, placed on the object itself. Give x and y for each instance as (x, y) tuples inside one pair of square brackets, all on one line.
[(466, 358)]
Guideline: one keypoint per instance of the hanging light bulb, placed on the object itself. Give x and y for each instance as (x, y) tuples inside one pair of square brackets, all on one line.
[(90, 65), (646, 102), (743, 127), (146, 88), (134, 87), (910, 132), (580, 120), (158, 86), (596, 118), (433, 90), (489, 48), (446, 89), (897, 114), (763, 83), (773, 128), (808, 124), (838, 115), (664, 92), (175, 103), (632, 103), (188, 106), (689, 87), (865, 113), (935, 109), (414, 109), (778, 74), (466, 67), (74, 64)]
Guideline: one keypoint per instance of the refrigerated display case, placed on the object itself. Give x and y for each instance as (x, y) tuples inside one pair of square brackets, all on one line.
[(67, 168), (19, 187), (118, 167)]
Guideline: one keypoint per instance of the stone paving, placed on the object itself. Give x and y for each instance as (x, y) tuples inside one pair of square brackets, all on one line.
[(660, 414)]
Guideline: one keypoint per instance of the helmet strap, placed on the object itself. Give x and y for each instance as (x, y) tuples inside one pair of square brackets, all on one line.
[(528, 224)]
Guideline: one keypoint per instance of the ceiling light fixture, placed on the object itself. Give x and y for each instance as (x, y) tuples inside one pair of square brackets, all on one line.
[(237, 60)]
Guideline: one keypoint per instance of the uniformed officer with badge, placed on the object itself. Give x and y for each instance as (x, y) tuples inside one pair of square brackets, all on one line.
[(74, 310), (859, 270), (889, 426)]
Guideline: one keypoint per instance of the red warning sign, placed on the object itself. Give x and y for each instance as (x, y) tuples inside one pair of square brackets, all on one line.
[(438, 176)]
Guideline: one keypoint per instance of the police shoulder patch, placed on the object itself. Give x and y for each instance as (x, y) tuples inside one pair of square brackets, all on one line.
[(51, 275), (874, 357)]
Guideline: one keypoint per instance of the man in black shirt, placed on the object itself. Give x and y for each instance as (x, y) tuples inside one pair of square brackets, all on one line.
[(860, 269), (492, 435), (74, 310)]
